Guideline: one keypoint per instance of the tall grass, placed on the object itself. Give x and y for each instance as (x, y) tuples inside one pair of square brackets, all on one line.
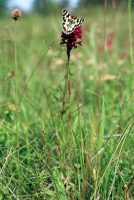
[(91, 157)]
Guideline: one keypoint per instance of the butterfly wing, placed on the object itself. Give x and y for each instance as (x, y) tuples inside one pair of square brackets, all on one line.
[(66, 18), (79, 21), (69, 24)]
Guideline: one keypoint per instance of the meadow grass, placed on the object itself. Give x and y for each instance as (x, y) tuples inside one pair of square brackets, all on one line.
[(48, 156)]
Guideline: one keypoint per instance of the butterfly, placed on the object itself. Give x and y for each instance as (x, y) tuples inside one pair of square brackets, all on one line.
[(69, 24)]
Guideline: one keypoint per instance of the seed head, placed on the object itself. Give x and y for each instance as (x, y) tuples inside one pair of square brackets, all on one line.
[(16, 14)]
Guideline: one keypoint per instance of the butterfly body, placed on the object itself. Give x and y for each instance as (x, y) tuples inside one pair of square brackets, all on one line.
[(68, 23)]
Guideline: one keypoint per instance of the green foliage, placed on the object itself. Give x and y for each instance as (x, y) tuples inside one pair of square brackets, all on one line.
[(45, 7), (91, 2), (99, 2), (92, 155), (63, 3), (3, 7)]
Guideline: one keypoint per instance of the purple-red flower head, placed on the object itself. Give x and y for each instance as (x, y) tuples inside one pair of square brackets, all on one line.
[(73, 39)]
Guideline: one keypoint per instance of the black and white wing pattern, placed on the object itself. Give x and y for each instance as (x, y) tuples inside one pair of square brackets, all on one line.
[(69, 24)]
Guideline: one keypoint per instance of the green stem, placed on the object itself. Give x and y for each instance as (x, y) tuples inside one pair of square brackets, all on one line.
[(130, 30), (82, 144), (63, 101), (15, 71), (16, 105), (69, 87)]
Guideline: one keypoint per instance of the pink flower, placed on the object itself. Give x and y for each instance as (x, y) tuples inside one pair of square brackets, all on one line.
[(124, 54), (109, 44), (73, 39)]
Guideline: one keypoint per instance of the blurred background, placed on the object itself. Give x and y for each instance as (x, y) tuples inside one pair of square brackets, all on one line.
[(47, 6), (39, 28)]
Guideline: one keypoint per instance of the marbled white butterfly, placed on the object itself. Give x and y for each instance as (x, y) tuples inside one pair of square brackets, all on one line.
[(69, 24)]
